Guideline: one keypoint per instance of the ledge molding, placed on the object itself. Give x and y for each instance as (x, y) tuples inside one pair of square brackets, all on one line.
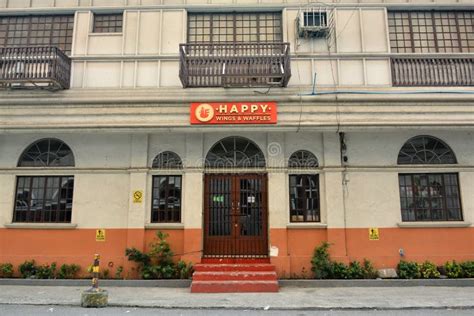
[(51, 226), (433, 224), (306, 226), (164, 226)]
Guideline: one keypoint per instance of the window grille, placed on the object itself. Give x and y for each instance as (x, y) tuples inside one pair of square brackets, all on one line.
[(303, 159), (41, 30), (49, 152), (108, 23), (166, 199), (425, 150), (431, 31), (235, 152), (167, 160), (44, 199), (234, 27), (304, 198), (430, 197)]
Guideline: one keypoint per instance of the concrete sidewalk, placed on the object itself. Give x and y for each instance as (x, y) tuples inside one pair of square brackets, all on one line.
[(289, 298)]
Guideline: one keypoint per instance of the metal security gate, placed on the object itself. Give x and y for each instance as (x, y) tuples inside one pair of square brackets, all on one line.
[(235, 215)]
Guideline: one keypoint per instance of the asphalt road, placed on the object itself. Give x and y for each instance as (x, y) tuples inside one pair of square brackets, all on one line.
[(33, 310)]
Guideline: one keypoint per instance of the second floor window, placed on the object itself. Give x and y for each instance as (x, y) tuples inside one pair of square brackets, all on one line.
[(108, 23), (41, 30), (431, 31), (234, 27)]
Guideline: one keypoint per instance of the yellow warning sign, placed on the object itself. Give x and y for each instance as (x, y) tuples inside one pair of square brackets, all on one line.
[(374, 234), (137, 196), (100, 235)]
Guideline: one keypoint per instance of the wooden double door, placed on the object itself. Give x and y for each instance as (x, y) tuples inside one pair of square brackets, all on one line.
[(235, 215)]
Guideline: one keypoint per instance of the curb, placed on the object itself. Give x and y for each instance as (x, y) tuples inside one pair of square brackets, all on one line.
[(283, 283), (377, 283), (102, 283)]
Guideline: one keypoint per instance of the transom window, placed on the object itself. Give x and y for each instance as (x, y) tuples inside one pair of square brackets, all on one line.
[(48, 152), (425, 150), (302, 159), (235, 152), (41, 30), (428, 196), (234, 27), (45, 199), (304, 198), (166, 199), (108, 23), (431, 31), (167, 160)]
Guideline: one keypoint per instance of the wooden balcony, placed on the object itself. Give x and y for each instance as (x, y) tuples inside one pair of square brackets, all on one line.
[(34, 68), (432, 71), (234, 64)]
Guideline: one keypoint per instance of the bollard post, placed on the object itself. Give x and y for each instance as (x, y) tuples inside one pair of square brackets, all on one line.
[(95, 297), (95, 273)]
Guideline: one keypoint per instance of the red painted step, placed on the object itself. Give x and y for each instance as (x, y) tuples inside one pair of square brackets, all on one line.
[(234, 277), (235, 260), (233, 286), (234, 267)]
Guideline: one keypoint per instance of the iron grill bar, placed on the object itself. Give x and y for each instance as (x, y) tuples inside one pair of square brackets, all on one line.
[(44, 66), (234, 64), (432, 71)]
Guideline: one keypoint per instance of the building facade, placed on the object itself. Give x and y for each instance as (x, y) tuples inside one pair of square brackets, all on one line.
[(257, 128)]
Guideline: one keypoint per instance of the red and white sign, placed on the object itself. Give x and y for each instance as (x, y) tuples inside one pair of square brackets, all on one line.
[(233, 113)]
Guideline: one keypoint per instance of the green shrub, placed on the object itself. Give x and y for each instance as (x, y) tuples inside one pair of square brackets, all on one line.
[(467, 269), (321, 264), (408, 270), (324, 268), (339, 271), (28, 269), (118, 272), (6, 270), (158, 263), (68, 271), (355, 270), (453, 270), (46, 271), (428, 270), (184, 270), (369, 271)]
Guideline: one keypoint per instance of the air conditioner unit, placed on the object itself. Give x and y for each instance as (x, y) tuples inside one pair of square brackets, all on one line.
[(313, 23)]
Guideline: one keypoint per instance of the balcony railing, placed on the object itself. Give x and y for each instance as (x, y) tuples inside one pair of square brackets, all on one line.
[(234, 64), (34, 67), (432, 71)]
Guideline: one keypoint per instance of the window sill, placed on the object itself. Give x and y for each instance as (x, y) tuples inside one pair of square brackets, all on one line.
[(164, 226), (433, 224), (306, 226), (40, 226)]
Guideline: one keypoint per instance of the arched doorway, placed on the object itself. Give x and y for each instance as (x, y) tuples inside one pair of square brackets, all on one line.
[(235, 203)]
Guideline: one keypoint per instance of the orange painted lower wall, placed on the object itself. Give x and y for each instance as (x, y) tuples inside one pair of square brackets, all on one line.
[(291, 248), (296, 246)]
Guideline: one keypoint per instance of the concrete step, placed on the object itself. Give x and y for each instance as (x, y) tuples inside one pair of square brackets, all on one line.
[(235, 276), (234, 267), (233, 286)]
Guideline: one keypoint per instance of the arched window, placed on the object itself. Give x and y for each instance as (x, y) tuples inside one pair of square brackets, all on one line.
[(49, 152), (45, 199), (428, 196), (166, 193), (303, 159), (304, 188), (167, 160), (235, 152), (425, 150)]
